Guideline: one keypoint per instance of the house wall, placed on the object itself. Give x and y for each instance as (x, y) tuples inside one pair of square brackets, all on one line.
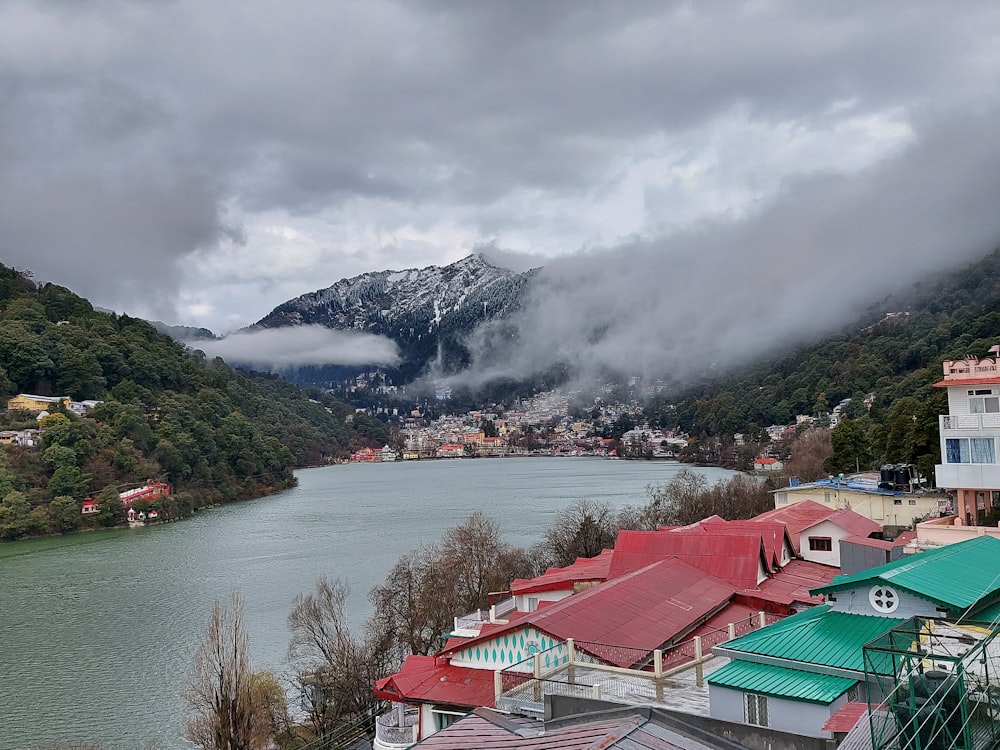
[(511, 649), (857, 557), (822, 529), (856, 602), (945, 531), (522, 603), (888, 510), (797, 717)]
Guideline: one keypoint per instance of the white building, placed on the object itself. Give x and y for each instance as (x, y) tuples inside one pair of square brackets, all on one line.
[(969, 434)]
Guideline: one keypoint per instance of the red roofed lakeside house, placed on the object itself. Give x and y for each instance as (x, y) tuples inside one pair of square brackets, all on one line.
[(149, 491), (638, 607)]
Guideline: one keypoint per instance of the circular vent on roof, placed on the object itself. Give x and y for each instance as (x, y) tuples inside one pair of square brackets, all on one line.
[(883, 599)]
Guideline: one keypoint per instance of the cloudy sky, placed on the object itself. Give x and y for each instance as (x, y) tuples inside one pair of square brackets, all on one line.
[(201, 162)]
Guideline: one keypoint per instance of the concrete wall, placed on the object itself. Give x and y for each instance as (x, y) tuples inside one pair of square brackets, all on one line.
[(707, 729), (796, 717), (522, 603), (856, 602)]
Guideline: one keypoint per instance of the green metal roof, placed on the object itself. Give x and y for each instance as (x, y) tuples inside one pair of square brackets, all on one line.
[(955, 576), (816, 636), (781, 682)]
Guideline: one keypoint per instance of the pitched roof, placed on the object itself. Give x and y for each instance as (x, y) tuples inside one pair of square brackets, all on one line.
[(557, 579), (851, 521), (993, 380), (773, 535), (846, 717), (433, 680), (736, 559), (793, 583), (805, 513), (642, 610), (781, 682), (956, 576), (816, 636), (631, 728)]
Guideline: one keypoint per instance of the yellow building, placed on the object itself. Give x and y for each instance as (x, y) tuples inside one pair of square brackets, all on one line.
[(863, 496), (29, 402)]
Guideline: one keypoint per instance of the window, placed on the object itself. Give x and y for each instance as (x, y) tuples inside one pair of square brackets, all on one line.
[(827, 496), (782, 497), (755, 709), (996, 498), (970, 451), (821, 544), (984, 404)]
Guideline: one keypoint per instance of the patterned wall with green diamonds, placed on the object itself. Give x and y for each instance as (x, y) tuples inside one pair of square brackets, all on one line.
[(516, 648), (512, 648)]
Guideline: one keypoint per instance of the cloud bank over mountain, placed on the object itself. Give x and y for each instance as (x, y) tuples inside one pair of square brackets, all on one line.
[(698, 179), (277, 349)]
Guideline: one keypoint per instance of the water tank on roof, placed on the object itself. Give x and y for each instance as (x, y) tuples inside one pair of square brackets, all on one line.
[(887, 477), (902, 477)]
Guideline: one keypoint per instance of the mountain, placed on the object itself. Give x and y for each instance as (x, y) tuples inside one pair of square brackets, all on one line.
[(428, 312), (183, 333), (214, 433)]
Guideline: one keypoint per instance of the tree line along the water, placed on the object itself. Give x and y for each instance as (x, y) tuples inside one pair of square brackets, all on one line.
[(333, 667), (214, 433)]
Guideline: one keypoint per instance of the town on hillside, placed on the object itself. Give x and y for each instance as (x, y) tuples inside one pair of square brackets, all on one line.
[(831, 620)]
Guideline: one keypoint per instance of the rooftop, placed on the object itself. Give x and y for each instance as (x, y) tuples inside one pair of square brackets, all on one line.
[(781, 682), (556, 579), (957, 576)]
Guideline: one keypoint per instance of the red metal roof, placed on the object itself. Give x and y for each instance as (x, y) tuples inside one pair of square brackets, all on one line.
[(792, 584), (736, 559), (585, 569), (773, 535), (850, 521), (846, 717), (643, 609), (429, 679)]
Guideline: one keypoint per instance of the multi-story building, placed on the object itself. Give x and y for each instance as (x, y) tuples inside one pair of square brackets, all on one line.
[(969, 433)]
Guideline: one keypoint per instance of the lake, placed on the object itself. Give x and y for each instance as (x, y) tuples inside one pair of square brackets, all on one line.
[(100, 629)]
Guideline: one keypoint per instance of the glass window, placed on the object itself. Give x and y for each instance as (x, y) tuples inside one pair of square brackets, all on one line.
[(756, 709), (970, 451), (984, 405), (821, 544)]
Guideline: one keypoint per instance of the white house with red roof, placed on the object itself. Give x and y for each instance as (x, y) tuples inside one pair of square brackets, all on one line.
[(766, 463), (816, 530)]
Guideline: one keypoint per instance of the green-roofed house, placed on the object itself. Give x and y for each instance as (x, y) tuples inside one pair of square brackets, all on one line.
[(795, 674)]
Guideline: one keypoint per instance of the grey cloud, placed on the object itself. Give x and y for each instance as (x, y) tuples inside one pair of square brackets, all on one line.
[(722, 294), (277, 349)]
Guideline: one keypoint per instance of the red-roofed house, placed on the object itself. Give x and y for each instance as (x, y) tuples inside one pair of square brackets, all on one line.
[(558, 583), (816, 530), (767, 464)]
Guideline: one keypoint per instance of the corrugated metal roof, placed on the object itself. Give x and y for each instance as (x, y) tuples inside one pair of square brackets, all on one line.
[(817, 636), (793, 583), (557, 579), (851, 521), (846, 717), (433, 680), (781, 682), (642, 610), (796, 517), (956, 576), (773, 534), (736, 559)]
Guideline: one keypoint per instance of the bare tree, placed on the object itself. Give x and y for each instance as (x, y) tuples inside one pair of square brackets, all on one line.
[(229, 711), (808, 452), (334, 668), (688, 498), (583, 529)]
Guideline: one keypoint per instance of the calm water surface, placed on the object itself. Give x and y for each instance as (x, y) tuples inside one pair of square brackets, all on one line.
[(99, 630)]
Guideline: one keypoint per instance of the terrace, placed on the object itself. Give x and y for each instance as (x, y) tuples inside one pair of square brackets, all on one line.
[(672, 678)]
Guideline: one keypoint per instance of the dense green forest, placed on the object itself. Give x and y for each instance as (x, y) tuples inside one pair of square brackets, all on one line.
[(892, 353), (216, 434)]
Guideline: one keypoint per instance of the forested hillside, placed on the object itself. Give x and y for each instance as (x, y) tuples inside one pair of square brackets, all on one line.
[(893, 352), (215, 433)]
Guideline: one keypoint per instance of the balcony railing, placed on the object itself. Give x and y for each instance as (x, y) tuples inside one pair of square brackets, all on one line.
[(594, 670), (397, 728), (971, 422)]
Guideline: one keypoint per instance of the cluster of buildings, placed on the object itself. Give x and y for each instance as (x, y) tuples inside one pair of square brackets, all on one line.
[(831, 620)]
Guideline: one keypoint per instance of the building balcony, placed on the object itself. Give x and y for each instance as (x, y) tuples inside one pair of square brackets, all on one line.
[(397, 729), (970, 423), (967, 476)]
